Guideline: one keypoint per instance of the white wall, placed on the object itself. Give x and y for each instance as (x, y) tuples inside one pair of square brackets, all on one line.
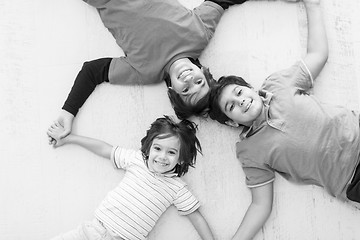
[(44, 192)]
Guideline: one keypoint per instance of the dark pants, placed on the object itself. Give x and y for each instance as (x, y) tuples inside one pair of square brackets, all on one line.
[(353, 190), (225, 4)]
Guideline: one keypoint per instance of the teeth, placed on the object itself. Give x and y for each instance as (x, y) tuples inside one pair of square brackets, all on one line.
[(160, 163), (184, 73)]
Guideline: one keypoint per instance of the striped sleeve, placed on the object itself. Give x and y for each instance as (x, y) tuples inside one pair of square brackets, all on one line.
[(186, 202), (121, 158)]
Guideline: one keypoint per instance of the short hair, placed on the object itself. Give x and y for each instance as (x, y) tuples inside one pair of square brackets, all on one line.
[(183, 110), (184, 130), (215, 111)]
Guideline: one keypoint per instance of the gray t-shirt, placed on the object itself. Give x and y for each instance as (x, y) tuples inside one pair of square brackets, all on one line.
[(153, 34), (299, 137)]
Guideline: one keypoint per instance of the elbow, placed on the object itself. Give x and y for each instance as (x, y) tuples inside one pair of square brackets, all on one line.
[(268, 210), (264, 208), (323, 59), (324, 55), (319, 59)]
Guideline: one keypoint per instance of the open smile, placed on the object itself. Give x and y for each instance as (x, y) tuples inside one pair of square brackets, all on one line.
[(161, 163), (184, 73), (249, 105)]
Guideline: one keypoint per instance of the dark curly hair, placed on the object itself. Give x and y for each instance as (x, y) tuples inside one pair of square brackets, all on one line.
[(215, 112), (184, 130), (183, 110)]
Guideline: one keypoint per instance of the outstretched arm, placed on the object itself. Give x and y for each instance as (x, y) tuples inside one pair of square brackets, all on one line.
[(257, 213), (92, 74), (317, 46), (200, 225), (98, 147)]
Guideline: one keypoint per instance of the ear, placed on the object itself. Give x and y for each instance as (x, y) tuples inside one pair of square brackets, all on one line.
[(231, 123)]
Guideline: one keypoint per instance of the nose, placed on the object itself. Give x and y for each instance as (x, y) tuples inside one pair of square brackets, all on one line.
[(162, 155), (188, 78), (241, 101)]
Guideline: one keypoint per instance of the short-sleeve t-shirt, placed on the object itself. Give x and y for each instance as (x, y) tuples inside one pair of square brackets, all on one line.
[(299, 137), (153, 34), (134, 206)]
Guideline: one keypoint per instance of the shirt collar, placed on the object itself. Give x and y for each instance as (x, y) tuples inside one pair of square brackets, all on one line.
[(168, 174)]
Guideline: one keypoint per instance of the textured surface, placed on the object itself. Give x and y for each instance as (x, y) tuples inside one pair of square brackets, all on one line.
[(44, 192)]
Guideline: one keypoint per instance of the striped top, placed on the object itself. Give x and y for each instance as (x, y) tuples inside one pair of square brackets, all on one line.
[(134, 206)]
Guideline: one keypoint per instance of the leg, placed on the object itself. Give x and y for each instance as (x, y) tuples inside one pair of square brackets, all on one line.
[(353, 190), (225, 4), (119, 16), (87, 231)]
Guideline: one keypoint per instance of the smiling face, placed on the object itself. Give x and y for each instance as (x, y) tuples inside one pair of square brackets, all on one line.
[(241, 104), (164, 154), (188, 80)]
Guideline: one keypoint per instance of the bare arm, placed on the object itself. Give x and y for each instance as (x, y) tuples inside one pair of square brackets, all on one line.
[(98, 147), (201, 225), (257, 213), (317, 46)]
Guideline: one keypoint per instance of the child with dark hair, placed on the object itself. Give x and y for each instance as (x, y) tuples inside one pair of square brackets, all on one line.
[(150, 185), (181, 108), (288, 131), (162, 40)]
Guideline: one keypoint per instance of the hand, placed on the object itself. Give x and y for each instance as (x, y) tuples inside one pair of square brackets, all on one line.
[(54, 132), (65, 119)]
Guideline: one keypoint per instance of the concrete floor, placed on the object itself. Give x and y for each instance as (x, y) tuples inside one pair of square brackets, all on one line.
[(44, 192)]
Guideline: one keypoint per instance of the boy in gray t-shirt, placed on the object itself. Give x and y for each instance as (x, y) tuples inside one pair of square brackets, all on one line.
[(288, 131)]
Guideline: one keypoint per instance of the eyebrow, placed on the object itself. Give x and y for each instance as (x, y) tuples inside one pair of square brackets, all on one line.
[(159, 145)]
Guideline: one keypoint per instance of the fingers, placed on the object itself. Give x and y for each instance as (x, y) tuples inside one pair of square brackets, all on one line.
[(52, 132), (52, 141), (56, 131), (56, 125)]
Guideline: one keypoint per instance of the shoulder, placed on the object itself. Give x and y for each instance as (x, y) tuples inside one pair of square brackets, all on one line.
[(123, 157), (296, 76)]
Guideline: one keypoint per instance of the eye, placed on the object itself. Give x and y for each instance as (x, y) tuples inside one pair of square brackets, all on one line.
[(185, 90), (157, 148), (231, 107), (239, 92), (172, 152), (199, 81)]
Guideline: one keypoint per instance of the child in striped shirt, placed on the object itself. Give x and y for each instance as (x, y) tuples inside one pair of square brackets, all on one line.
[(151, 183)]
